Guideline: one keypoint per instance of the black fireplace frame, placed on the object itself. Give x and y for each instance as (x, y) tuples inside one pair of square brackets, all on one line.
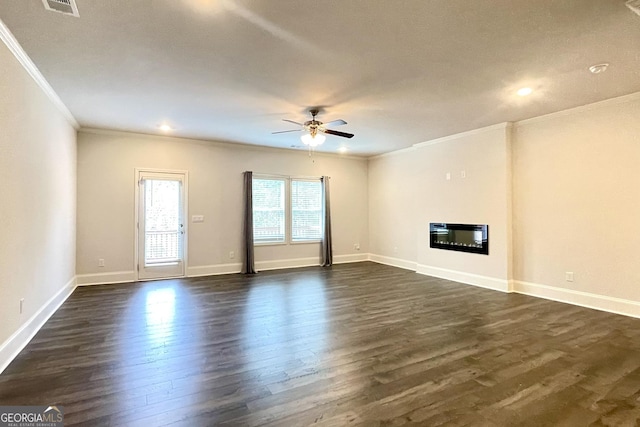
[(439, 229)]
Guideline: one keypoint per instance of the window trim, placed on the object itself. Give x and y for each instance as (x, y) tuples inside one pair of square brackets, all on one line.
[(302, 242), (288, 240), (286, 198)]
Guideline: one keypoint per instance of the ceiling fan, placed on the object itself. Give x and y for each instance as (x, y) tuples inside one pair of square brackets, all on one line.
[(316, 129)]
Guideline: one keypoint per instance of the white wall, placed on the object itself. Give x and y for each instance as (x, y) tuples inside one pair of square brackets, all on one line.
[(106, 184), (394, 190), (560, 193), (37, 208), (409, 189), (577, 199)]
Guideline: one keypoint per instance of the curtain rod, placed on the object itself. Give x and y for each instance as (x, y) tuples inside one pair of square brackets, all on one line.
[(287, 176)]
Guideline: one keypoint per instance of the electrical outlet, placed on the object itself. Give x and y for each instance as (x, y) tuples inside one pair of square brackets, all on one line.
[(232, 254), (463, 174), (21, 305), (448, 176), (568, 276), (356, 246), (100, 262)]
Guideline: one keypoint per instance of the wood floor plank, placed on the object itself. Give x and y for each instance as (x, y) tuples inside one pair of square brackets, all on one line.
[(354, 344)]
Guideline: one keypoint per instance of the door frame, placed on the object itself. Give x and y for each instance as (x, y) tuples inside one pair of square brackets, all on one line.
[(136, 216)]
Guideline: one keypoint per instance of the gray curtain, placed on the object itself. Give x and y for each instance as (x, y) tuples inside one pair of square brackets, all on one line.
[(327, 251), (248, 262)]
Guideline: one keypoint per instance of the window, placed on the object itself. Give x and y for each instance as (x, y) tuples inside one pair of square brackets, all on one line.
[(268, 210), (306, 210), (287, 210)]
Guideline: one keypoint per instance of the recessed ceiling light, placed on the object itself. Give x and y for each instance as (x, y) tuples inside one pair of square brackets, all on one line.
[(165, 127), (524, 91), (342, 149), (599, 68)]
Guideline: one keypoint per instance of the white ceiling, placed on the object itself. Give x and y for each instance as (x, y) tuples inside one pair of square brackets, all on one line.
[(399, 72)]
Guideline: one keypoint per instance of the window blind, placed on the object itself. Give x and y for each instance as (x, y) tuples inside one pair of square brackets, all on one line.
[(306, 210), (268, 210)]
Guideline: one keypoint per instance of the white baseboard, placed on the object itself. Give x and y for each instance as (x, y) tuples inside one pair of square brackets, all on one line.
[(582, 299), (213, 270), (19, 340), (345, 259), (106, 278), (394, 262), (217, 269), (501, 285), (287, 263)]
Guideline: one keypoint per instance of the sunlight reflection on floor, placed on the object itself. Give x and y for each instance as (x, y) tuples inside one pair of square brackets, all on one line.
[(160, 312)]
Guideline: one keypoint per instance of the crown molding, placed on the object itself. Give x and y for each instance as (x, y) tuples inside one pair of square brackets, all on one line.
[(213, 143), (393, 153), (14, 47), (507, 126), (632, 97), (499, 126)]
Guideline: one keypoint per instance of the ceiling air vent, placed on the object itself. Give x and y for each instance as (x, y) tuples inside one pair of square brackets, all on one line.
[(68, 7), (634, 5)]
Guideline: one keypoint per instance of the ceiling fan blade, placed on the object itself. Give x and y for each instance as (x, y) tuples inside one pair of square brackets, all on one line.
[(291, 121), (338, 122), (337, 133), (285, 131)]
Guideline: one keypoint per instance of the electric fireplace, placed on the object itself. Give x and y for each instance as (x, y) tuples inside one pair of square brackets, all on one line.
[(472, 238)]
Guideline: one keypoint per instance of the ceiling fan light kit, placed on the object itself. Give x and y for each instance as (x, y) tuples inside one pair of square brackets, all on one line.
[(316, 130), (313, 140)]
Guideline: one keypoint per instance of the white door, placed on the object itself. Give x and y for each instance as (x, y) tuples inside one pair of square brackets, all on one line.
[(161, 225)]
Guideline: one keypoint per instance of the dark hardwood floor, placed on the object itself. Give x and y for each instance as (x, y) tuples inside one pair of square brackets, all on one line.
[(355, 344)]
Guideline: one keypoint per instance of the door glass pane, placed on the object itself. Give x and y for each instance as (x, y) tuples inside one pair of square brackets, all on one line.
[(162, 221)]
